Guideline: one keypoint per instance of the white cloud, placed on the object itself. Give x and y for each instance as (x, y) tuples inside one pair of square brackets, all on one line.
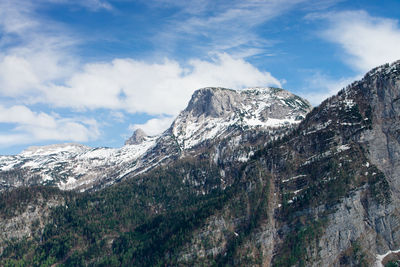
[(97, 4), (16, 76), (16, 18), (117, 116), (33, 127), (367, 41), (41, 69), (153, 126), (33, 51), (163, 88)]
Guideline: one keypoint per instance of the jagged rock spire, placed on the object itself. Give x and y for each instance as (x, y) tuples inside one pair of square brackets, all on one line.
[(137, 137)]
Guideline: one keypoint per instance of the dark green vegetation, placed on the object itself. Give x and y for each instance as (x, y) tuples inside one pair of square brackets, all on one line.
[(392, 264), (16, 201), (354, 256), (138, 222)]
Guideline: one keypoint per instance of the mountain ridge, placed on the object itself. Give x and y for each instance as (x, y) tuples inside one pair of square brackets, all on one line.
[(211, 113)]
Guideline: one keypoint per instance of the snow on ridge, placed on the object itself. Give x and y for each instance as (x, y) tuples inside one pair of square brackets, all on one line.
[(71, 166), (54, 149)]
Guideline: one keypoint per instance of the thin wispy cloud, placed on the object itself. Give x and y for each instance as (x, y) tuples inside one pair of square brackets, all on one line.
[(33, 52), (224, 26), (92, 5), (367, 41), (95, 4), (234, 26)]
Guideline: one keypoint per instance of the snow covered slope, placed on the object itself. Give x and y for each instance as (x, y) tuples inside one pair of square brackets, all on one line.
[(68, 166), (212, 114)]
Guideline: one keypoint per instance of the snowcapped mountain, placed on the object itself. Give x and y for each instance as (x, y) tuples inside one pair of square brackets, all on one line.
[(217, 112), (213, 114)]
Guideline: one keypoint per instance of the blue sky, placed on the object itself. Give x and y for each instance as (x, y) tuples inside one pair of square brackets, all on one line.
[(93, 71)]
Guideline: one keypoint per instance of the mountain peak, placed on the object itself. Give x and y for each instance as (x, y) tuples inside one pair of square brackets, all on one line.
[(212, 102), (217, 102), (137, 137), (388, 68), (212, 111)]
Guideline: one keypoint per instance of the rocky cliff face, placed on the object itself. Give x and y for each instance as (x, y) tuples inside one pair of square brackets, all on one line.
[(213, 114), (380, 88), (24, 214), (344, 175), (368, 217)]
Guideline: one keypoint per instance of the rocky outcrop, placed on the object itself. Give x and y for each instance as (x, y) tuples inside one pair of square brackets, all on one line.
[(138, 137), (26, 217), (382, 87), (213, 102)]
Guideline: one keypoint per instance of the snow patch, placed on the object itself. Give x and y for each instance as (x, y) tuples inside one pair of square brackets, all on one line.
[(379, 258), (293, 178), (349, 103), (343, 148), (69, 184)]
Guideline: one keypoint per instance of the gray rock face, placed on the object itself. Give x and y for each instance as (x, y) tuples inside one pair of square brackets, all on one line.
[(28, 222), (362, 219), (138, 137), (213, 102), (382, 86)]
